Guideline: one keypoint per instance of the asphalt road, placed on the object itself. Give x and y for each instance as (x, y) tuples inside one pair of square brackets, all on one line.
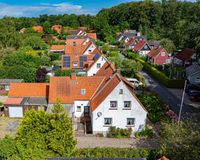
[(167, 97)]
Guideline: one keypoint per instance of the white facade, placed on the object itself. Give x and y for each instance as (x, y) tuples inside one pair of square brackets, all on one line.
[(90, 49), (15, 112), (95, 67), (120, 115), (144, 52), (79, 108)]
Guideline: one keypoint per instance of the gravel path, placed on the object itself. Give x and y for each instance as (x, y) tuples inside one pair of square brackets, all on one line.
[(92, 142)]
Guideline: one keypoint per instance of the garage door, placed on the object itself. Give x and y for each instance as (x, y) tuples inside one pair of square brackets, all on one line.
[(15, 112)]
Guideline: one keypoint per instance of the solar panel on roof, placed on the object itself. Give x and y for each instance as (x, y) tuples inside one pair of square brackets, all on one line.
[(66, 61), (82, 60)]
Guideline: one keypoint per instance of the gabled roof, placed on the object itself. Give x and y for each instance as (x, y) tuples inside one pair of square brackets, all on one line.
[(104, 92), (57, 28), (67, 89), (78, 40), (57, 47), (186, 54), (13, 101), (156, 51), (29, 90), (92, 35), (78, 49), (193, 69), (130, 42), (140, 45)]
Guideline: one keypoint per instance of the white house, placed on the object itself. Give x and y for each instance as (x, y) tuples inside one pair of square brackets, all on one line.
[(116, 105), (142, 48)]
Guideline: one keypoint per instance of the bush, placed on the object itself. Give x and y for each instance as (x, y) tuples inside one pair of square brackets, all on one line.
[(147, 132), (119, 133), (111, 153), (60, 73), (54, 56)]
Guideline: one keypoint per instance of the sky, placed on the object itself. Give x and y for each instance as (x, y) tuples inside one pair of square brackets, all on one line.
[(30, 8)]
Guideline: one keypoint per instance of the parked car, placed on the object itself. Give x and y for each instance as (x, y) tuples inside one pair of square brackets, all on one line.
[(135, 82), (194, 95)]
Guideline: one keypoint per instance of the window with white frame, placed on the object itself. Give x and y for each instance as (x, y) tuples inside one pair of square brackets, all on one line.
[(83, 91), (98, 65), (120, 91), (163, 54), (127, 104), (107, 121), (78, 108), (130, 121), (113, 104)]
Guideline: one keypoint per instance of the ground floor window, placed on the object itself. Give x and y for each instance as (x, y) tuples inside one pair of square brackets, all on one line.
[(107, 121), (130, 121), (78, 109)]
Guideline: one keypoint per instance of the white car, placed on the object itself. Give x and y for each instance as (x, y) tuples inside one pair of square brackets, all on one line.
[(134, 81)]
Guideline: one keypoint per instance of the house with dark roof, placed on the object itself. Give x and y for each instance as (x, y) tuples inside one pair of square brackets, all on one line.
[(193, 74), (158, 56), (142, 48), (185, 58), (95, 103)]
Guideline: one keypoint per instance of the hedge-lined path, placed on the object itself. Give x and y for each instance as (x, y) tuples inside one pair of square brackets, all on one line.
[(93, 142)]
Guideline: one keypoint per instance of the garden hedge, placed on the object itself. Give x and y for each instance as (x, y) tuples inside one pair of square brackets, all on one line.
[(161, 77)]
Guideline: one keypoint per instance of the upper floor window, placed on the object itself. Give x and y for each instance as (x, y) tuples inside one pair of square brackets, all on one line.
[(75, 64), (78, 109), (98, 65), (120, 91), (127, 104), (163, 54), (113, 104), (74, 43)]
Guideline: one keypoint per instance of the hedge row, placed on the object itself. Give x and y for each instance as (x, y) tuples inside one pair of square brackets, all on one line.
[(111, 153), (161, 77)]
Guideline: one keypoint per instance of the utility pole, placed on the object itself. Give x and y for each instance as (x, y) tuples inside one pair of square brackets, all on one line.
[(182, 100)]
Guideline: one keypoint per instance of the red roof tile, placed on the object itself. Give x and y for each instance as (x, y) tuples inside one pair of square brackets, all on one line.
[(92, 35), (57, 28), (139, 45), (58, 47), (13, 101), (155, 51), (67, 90), (131, 41), (186, 54), (29, 90), (38, 29)]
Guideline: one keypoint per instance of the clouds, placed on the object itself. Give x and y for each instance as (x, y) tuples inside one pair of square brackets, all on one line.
[(44, 8)]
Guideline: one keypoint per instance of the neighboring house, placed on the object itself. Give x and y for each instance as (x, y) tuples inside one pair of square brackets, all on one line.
[(193, 74), (38, 29), (58, 49), (153, 44), (5, 83), (26, 96), (94, 103), (57, 28), (142, 48), (92, 36), (159, 56), (128, 34), (131, 43), (185, 57)]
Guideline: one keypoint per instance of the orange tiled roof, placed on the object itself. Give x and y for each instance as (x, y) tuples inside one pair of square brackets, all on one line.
[(79, 41), (92, 35), (14, 101), (78, 49), (57, 47), (29, 90), (67, 89), (139, 45), (83, 28), (57, 28), (132, 40), (38, 29), (155, 51), (104, 91)]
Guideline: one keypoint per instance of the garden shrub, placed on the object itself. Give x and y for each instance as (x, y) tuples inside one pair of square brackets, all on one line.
[(147, 132), (119, 133)]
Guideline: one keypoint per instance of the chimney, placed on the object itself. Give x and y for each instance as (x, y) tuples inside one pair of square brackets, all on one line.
[(73, 76)]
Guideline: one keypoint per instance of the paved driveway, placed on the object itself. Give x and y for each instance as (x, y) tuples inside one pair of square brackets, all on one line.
[(93, 142)]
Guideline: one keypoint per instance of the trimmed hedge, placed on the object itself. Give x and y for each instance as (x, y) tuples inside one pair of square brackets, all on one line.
[(111, 153), (161, 77)]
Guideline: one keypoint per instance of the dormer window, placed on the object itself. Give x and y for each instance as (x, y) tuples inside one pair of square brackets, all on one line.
[(98, 65), (74, 43), (83, 91)]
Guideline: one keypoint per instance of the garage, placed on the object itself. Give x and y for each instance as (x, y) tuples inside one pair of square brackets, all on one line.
[(15, 112)]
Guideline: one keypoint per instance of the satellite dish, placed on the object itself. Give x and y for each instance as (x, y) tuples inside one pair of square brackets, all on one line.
[(99, 114)]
